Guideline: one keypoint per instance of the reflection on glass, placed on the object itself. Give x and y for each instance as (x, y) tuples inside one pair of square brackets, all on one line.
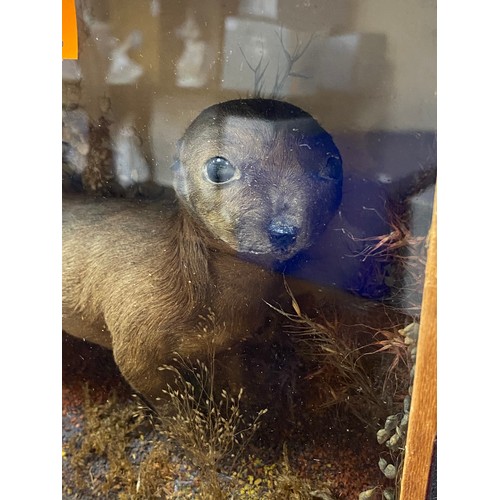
[(248, 189)]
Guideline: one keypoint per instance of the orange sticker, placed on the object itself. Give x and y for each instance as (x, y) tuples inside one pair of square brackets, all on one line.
[(69, 30)]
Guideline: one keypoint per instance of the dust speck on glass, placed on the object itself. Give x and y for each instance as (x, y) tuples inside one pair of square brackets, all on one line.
[(247, 192)]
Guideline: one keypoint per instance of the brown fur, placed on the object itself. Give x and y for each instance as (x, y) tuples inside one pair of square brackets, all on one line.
[(147, 279)]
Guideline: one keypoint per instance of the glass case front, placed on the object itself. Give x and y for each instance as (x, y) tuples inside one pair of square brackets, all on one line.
[(248, 189)]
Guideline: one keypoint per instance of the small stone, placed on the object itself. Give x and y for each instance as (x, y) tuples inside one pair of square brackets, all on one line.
[(389, 494), (406, 404), (367, 494), (383, 435), (404, 422), (413, 353), (410, 331), (390, 472), (392, 443), (390, 422)]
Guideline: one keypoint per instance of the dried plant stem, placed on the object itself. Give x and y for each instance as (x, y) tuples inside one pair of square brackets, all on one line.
[(291, 58), (209, 427)]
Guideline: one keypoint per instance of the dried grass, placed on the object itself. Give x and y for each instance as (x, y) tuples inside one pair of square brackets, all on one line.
[(209, 427), (364, 377)]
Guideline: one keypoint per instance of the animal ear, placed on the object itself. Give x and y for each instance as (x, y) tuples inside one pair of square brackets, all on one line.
[(179, 175), (176, 165), (178, 146)]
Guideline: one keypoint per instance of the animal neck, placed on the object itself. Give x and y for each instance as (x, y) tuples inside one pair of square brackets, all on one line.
[(195, 249), (196, 237), (192, 255)]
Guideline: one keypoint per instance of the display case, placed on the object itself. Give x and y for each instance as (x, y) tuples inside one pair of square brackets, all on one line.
[(249, 231)]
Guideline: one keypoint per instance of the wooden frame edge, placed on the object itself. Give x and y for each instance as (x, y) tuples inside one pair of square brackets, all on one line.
[(422, 429)]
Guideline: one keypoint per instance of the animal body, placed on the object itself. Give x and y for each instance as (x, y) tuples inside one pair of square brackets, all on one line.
[(256, 181)]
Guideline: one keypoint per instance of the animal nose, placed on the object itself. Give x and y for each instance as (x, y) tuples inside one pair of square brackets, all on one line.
[(281, 235)]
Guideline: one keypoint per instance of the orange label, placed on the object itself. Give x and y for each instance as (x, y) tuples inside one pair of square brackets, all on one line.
[(69, 30)]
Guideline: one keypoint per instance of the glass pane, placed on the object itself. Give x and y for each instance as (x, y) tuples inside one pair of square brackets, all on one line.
[(247, 191)]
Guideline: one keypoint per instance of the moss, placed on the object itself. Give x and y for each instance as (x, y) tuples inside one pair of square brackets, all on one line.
[(100, 455)]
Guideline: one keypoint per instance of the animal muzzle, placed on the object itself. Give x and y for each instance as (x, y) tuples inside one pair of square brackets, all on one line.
[(282, 235)]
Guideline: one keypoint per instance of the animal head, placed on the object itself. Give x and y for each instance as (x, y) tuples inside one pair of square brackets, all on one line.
[(262, 175)]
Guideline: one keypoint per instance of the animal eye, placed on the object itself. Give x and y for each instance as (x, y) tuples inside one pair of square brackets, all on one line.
[(333, 168), (219, 170)]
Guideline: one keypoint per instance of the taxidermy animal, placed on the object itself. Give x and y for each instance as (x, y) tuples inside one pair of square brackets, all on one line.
[(256, 181)]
